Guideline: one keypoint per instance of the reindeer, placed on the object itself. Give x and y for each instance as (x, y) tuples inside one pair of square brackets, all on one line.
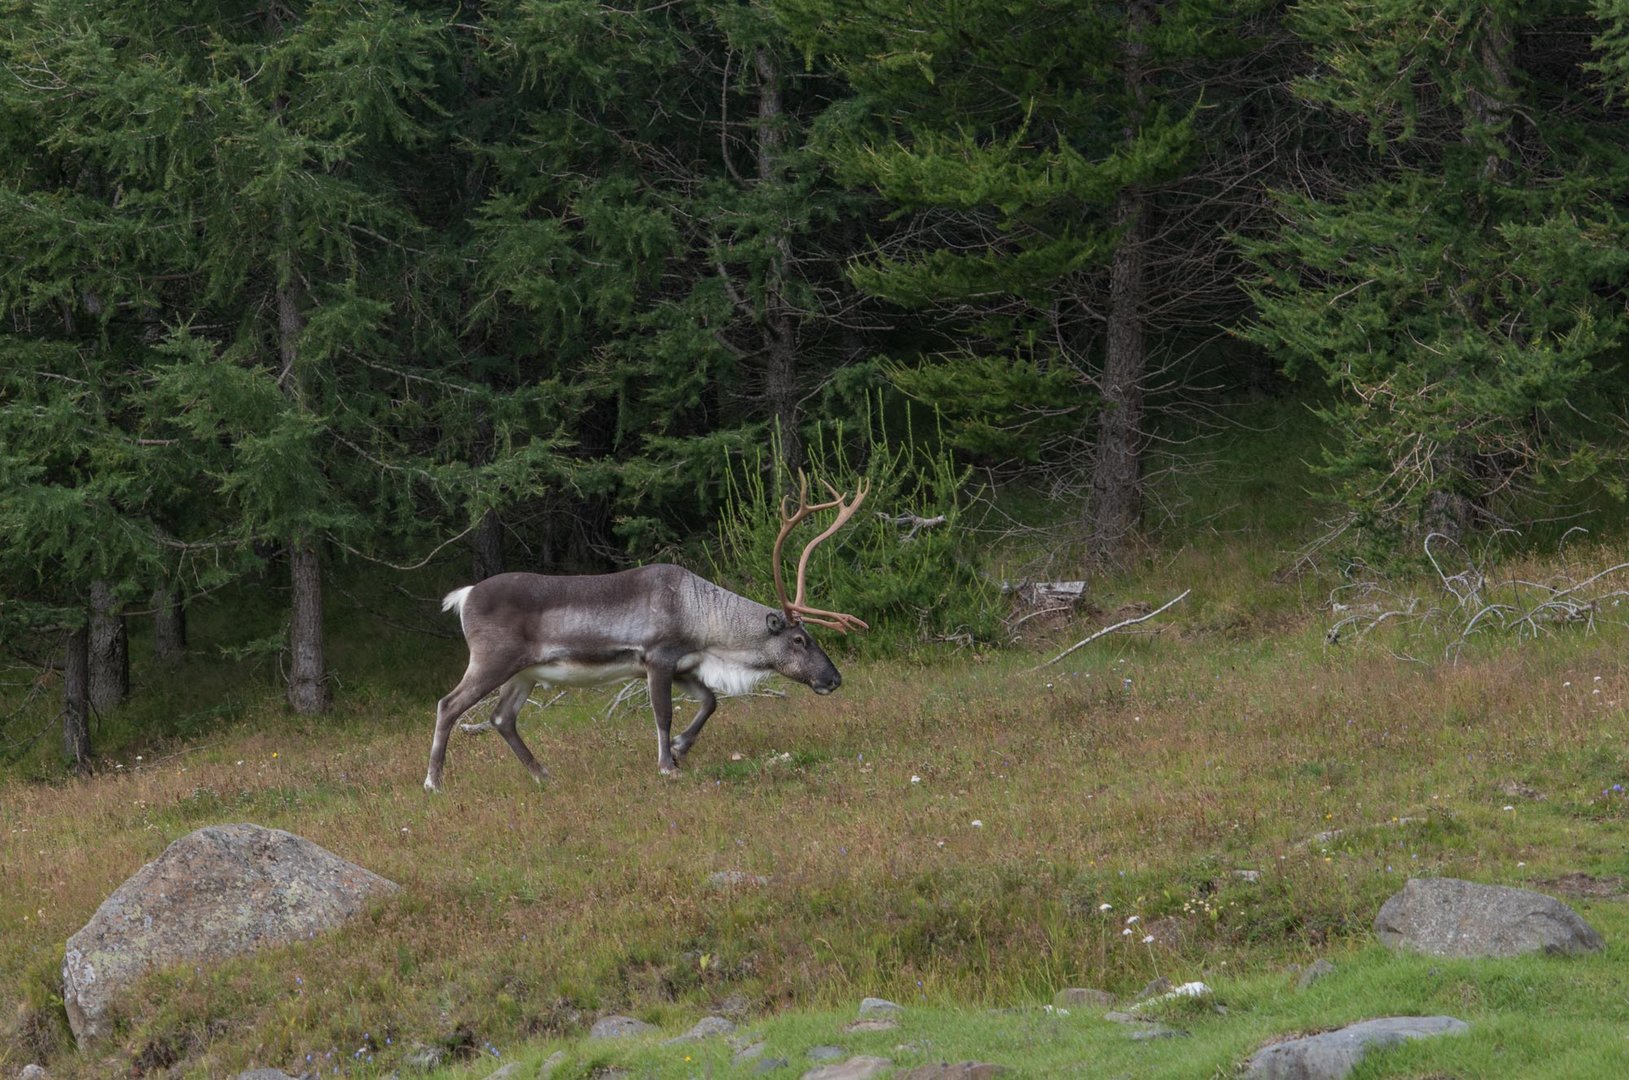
[(660, 622)]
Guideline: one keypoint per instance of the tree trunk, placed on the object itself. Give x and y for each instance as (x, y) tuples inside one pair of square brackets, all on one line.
[(1116, 506), (488, 546), (307, 675), (1457, 499), (1117, 472), (109, 650), (780, 324), (169, 625), (76, 701)]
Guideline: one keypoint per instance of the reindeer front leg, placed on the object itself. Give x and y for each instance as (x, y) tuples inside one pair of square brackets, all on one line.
[(659, 677), (698, 690)]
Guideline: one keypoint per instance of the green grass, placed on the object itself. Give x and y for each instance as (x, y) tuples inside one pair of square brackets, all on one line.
[(1529, 1017)]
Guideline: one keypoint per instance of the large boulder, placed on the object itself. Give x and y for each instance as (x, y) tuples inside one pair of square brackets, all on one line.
[(1449, 917), (1334, 1054), (222, 891)]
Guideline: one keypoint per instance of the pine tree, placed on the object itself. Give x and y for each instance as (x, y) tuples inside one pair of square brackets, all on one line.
[(1041, 156), (237, 167), (1462, 288)]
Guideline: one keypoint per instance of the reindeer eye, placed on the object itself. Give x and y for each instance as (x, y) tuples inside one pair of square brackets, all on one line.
[(799, 640)]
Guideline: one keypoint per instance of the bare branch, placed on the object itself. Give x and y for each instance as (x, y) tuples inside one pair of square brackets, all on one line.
[(1111, 629)]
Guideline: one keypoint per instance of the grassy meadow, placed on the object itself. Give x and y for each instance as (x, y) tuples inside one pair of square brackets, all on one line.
[(945, 832)]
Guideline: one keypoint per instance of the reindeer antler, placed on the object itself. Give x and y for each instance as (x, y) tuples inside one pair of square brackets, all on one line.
[(796, 610)]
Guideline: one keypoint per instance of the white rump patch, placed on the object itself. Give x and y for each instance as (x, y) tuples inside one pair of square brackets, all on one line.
[(728, 677), (454, 601)]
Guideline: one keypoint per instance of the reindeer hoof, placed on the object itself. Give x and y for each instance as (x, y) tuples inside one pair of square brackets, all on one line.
[(670, 769)]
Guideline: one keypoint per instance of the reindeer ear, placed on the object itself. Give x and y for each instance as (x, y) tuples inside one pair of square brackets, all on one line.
[(775, 623)]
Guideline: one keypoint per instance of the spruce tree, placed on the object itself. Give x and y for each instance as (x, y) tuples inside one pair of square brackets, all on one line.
[(1039, 159), (1462, 286)]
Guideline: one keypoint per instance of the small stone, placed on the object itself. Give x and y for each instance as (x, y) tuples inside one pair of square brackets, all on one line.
[(825, 1053), (1334, 1054), (769, 1065), (1251, 876), (752, 1052), (855, 1068), (551, 1064), (510, 1071), (620, 1027), (735, 879), (1079, 997), (424, 1058), (1122, 1018), (1154, 989), (962, 1070), (1147, 1032), (879, 1007), (1315, 971), (735, 1006), (249, 1074), (878, 1024), (706, 1028), (33, 1072), (1186, 990)]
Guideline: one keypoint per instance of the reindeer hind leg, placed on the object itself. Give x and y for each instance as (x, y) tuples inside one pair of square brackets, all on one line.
[(479, 680), (510, 699)]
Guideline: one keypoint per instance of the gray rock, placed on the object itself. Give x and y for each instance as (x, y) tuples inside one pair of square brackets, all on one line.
[(1314, 971), (879, 1007), (1149, 1032), (962, 1070), (735, 879), (1334, 1054), (510, 1071), (855, 1068), (1449, 917), (551, 1064), (751, 1051), (1250, 876), (706, 1028), (1114, 1017), (769, 1065), (33, 1072), (219, 892), (620, 1027), (1081, 997), (424, 1058), (251, 1074), (1154, 989), (735, 1006), (877, 1024), (825, 1053)]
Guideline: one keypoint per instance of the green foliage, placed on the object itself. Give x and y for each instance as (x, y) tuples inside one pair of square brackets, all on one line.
[(999, 408), (1465, 294), (910, 585)]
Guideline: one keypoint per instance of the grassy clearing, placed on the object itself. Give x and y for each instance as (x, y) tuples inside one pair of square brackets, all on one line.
[(1141, 773)]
